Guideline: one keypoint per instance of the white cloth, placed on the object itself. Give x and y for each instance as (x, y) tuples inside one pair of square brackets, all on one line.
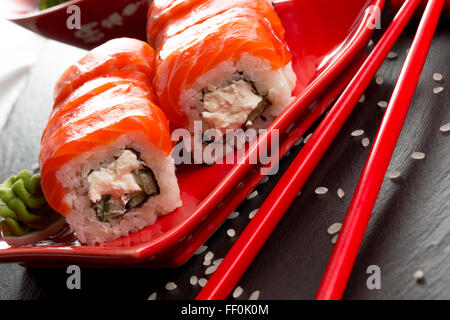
[(19, 51)]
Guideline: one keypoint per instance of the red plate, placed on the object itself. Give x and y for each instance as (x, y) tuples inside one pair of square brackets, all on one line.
[(325, 38)]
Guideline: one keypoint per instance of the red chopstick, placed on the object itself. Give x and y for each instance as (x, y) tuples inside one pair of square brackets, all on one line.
[(344, 253), (261, 226)]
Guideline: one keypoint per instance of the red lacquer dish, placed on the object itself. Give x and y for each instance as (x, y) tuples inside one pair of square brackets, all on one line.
[(328, 42)]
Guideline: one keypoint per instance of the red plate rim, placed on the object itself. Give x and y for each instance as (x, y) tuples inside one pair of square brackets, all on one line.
[(353, 45)]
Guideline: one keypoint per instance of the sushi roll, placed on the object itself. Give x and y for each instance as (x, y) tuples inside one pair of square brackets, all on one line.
[(168, 18), (230, 71), (105, 153)]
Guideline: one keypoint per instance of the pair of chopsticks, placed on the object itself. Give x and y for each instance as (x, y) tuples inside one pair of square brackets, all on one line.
[(357, 217), (272, 210)]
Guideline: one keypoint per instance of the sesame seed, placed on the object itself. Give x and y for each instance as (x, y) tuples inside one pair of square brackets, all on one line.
[(393, 175), (382, 104), (392, 55), (231, 233), (321, 190), (357, 133), (233, 215), (340, 193), (370, 44), (217, 262), (418, 155), (334, 239), (202, 282), (379, 80), (171, 286), (206, 262), (299, 193), (365, 142), (307, 138), (298, 142), (437, 77), (193, 280), (362, 99), (255, 295), (209, 256), (438, 90), (334, 228), (419, 275), (237, 292), (152, 296), (264, 180), (200, 250), (445, 128), (210, 270), (252, 214), (252, 195)]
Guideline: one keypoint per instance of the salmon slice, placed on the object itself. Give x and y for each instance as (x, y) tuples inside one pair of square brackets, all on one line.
[(95, 87), (168, 18), (122, 53), (101, 110), (226, 37)]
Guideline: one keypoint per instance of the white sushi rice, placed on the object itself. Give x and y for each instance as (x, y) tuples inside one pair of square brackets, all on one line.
[(276, 85), (82, 217)]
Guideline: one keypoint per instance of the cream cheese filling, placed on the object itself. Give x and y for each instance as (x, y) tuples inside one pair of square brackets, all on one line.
[(116, 180), (229, 107)]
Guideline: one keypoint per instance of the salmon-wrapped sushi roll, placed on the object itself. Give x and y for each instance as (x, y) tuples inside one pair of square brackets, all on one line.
[(168, 18), (105, 154), (229, 71)]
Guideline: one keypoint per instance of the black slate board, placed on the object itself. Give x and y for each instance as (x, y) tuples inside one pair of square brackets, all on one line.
[(409, 230)]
